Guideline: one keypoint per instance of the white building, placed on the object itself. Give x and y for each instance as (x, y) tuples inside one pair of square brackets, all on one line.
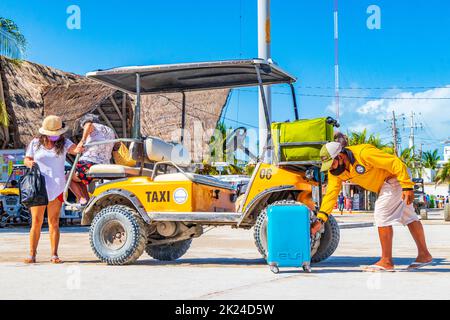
[(446, 153)]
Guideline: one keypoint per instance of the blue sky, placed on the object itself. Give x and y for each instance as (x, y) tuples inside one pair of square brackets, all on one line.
[(410, 50)]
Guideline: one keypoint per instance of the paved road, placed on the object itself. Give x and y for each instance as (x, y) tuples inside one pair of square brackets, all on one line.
[(224, 264)]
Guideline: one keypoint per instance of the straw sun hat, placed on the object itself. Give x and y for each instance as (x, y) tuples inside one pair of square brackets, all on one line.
[(52, 126)]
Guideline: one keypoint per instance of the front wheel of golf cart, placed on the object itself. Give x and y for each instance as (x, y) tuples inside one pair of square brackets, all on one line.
[(118, 235), (321, 248)]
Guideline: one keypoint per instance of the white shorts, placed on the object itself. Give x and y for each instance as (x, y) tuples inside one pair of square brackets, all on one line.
[(390, 208)]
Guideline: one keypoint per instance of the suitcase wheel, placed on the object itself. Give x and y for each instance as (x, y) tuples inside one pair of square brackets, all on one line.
[(274, 269), (307, 269)]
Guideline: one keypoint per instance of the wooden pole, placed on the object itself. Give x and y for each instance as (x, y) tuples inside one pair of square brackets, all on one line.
[(5, 129), (106, 119), (124, 115)]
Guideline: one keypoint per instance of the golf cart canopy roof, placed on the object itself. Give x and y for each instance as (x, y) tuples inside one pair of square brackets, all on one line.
[(192, 76)]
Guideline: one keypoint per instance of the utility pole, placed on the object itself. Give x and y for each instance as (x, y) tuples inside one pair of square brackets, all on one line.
[(411, 131), (396, 139), (264, 53), (394, 133), (412, 127), (336, 58)]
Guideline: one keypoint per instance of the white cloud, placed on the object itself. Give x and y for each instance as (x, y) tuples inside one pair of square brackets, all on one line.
[(434, 112), (371, 107)]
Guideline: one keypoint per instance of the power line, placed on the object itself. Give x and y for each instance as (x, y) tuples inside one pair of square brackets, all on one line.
[(354, 97), (204, 111), (374, 88), (371, 97)]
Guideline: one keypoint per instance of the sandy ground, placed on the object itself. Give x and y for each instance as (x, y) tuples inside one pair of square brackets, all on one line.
[(224, 264)]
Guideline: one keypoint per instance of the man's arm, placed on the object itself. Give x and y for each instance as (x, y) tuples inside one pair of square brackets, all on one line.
[(329, 200)]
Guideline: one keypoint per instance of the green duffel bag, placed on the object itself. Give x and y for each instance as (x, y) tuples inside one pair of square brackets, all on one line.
[(300, 140)]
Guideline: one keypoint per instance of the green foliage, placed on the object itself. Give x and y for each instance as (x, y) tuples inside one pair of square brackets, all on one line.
[(362, 137), (443, 175), (4, 119), (218, 153), (11, 28), (412, 161), (430, 159)]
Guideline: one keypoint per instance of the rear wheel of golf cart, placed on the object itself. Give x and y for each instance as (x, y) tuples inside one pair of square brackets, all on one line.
[(321, 248), (168, 252), (118, 235)]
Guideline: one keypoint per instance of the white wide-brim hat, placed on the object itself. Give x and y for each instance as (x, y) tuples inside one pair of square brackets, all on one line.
[(52, 126)]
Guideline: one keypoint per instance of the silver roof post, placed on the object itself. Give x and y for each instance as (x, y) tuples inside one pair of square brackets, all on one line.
[(137, 109), (268, 144), (183, 117)]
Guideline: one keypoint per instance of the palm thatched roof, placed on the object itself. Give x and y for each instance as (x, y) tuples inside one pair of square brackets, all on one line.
[(33, 91), (74, 100), (161, 117), (23, 84)]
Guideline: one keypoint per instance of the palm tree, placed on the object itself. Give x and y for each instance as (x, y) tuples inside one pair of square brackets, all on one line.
[(411, 160), (12, 44), (12, 41), (430, 159), (443, 175), (375, 140)]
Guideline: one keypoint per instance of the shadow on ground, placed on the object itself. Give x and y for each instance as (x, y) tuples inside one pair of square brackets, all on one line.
[(343, 264)]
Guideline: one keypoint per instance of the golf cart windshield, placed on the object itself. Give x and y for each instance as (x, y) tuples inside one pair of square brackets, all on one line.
[(193, 76)]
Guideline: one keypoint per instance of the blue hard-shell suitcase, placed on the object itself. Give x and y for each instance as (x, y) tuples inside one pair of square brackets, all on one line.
[(288, 237)]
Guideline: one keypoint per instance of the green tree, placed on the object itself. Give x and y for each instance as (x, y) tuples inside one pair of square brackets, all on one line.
[(443, 174), (218, 152), (412, 161), (10, 29), (430, 159), (12, 44), (362, 137)]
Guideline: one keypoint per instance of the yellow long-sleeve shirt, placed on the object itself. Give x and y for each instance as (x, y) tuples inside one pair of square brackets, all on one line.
[(369, 168)]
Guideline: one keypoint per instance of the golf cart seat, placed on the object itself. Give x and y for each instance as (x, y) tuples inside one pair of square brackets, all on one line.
[(115, 171), (158, 150), (155, 149)]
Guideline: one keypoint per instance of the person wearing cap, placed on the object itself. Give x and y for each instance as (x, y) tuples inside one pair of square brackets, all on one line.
[(385, 174), (93, 131), (49, 152)]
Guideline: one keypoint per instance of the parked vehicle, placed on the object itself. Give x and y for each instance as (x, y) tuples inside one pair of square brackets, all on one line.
[(12, 212), (419, 204), (161, 206)]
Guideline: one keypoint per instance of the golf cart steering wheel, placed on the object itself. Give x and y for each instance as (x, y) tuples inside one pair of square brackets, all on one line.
[(236, 140)]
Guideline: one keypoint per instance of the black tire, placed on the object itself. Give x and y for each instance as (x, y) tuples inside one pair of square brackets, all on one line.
[(106, 232), (260, 233), (169, 252), (328, 241)]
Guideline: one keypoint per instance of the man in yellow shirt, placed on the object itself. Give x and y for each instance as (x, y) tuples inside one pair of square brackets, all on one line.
[(379, 172)]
